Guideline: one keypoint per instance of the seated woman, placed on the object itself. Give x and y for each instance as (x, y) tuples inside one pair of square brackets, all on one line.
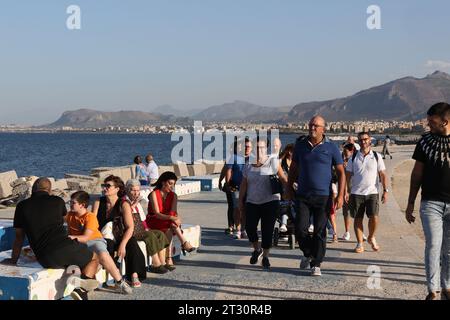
[(110, 208), (156, 241), (83, 227), (162, 214)]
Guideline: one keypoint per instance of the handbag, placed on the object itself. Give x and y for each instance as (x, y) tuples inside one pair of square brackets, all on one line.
[(276, 185), (118, 228), (139, 232), (107, 231)]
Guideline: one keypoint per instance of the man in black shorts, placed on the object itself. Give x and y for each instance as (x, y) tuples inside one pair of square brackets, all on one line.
[(40, 218)]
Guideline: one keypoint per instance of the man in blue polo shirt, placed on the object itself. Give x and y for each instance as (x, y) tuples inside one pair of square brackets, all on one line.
[(313, 159)]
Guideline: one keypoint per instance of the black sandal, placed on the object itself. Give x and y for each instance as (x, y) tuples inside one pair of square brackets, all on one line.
[(168, 266)]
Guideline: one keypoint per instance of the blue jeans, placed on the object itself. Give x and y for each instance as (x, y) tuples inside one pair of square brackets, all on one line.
[(435, 217)]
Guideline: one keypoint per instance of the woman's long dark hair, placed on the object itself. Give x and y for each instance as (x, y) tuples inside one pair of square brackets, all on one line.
[(166, 176)]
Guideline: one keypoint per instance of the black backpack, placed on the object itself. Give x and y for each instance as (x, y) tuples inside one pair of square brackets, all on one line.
[(375, 154)]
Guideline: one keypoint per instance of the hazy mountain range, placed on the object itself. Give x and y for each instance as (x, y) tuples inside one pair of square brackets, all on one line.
[(404, 99)]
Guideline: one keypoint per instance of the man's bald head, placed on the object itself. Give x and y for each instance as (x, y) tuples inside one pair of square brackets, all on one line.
[(316, 128), (42, 184), (318, 120)]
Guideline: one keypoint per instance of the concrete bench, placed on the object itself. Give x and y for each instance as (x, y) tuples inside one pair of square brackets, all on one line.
[(208, 182), (30, 281), (183, 188), (7, 235)]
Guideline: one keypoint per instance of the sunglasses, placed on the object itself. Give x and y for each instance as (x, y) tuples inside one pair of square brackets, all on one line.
[(107, 185)]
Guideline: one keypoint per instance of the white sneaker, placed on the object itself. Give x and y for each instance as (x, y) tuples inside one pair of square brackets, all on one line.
[(237, 235), (346, 236), (283, 228), (311, 228), (315, 272), (305, 263), (364, 237), (123, 287)]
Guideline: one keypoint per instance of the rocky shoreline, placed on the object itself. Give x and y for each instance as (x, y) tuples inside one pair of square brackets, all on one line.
[(14, 189)]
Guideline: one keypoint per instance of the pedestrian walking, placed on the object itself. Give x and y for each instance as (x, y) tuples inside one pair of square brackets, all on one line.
[(314, 157), (364, 171), (431, 172)]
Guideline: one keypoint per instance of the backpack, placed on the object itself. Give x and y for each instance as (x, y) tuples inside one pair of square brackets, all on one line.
[(375, 154)]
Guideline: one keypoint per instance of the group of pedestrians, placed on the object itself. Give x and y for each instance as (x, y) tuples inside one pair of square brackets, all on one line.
[(361, 182), (305, 175)]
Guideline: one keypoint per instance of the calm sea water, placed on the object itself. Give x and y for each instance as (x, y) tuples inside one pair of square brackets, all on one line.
[(54, 154)]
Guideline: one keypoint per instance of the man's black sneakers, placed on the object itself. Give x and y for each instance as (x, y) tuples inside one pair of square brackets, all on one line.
[(265, 263), (255, 256), (79, 294)]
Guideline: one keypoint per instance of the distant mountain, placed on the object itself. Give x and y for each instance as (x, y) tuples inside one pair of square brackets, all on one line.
[(169, 110), (403, 99), (86, 118), (240, 111)]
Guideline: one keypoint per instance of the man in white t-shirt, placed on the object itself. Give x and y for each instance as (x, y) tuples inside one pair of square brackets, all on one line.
[(151, 169), (364, 171)]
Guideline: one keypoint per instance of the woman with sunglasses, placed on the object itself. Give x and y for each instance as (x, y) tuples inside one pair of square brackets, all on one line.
[(163, 215), (107, 208)]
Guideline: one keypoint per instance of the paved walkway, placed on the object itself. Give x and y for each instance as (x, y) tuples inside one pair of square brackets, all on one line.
[(221, 269)]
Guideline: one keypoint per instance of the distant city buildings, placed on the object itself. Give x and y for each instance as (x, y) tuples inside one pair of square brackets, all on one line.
[(337, 127)]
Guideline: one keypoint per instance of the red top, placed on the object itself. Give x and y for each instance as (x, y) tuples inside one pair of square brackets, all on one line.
[(153, 222)]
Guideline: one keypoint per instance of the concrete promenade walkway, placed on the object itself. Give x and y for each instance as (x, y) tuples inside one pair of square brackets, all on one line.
[(221, 269)]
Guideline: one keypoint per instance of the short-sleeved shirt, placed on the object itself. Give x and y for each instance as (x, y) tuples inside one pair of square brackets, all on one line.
[(259, 188), (42, 218), (237, 165), (315, 165), (152, 170), (434, 152), (365, 171), (141, 172), (78, 225)]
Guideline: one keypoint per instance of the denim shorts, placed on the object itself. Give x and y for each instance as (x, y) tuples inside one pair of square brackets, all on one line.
[(97, 245)]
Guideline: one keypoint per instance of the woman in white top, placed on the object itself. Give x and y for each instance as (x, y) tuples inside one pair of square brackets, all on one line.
[(261, 203)]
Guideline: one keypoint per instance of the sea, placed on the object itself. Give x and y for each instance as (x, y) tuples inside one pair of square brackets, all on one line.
[(55, 154)]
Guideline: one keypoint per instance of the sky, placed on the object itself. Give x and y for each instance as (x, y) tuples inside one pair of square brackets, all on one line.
[(137, 55)]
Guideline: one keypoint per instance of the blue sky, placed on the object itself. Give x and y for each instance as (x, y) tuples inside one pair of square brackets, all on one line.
[(136, 55)]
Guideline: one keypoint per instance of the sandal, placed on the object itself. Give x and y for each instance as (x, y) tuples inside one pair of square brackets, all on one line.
[(159, 269), (135, 283), (335, 238), (373, 243), (169, 266), (359, 248), (186, 247)]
